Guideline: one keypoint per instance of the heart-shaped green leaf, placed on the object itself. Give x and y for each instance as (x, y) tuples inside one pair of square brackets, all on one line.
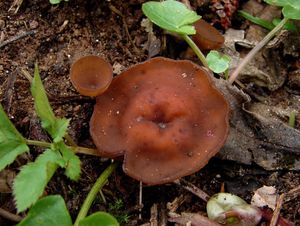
[(172, 16), (216, 62), (48, 211)]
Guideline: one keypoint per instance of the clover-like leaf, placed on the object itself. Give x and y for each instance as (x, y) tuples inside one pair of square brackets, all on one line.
[(12, 143), (217, 62), (99, 219), (48, 211), (172, 16), (30, 183), (56, 127)]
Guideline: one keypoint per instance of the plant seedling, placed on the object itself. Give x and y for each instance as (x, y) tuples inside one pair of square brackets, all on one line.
[(217, 62), (229, 209), (30, 183), (175, 17), (55, 2), (290, 10), (266, 24)]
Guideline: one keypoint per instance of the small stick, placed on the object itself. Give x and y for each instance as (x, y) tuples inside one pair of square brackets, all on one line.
[(154, 213), (10, 216), (140, 200), (292, 194), (277, 210), (17, 37), (193, 189)]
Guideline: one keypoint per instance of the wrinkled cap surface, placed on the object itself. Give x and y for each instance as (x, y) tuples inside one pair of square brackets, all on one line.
[(207, 37), (91, 75), (166, 118)]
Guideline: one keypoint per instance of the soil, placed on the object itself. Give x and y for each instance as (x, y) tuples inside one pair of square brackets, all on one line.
[(54, 37)]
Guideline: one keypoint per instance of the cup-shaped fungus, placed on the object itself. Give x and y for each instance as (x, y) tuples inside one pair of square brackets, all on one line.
[(207, 37), (91, 75), (166, 118)]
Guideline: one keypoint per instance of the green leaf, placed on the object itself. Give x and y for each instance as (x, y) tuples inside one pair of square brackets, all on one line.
[(172, 16), (294, 3), (99, 219), (71, 162), (229, 209), (291, 12), (264, 23), (48, 211), (30, 183), (288, 26), (277, 2), (222, 202), (12, 143), (60, 129), (216, 62), (56, 127), (55, 1)]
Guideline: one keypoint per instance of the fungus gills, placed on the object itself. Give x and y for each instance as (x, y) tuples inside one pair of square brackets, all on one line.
[(91, 75), (166, 118)]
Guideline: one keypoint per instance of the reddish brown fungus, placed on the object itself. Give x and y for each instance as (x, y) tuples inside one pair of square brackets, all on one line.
[(166, 118), (91, 75), (207, 37)]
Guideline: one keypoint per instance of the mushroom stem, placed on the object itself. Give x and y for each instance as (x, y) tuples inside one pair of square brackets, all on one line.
[(256, 49), (76, 149), (195, 48), (101, 181)]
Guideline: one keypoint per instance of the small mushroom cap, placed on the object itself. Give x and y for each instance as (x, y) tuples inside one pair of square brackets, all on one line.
[(166, 118), (207, 37), (91, 75)]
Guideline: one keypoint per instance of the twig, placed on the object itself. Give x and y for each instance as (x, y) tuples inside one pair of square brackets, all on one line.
[(140, 199), (26, 74), (153, 217), (277, 210), (10, 216), (292, 194), (256, 49), (193, 189), (17, 37)]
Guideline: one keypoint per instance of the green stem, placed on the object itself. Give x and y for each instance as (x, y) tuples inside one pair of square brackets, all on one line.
[(38, 143), (256, 49), (93, 192), (292, 119), (195, 48), (76, 149)]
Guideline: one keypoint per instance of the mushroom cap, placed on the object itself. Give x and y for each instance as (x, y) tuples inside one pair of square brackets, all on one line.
[(165, 116), (207, 37), (91, 75)]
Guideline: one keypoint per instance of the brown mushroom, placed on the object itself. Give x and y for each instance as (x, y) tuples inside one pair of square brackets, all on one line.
[(207, 37), (91, 75), (166, 118)]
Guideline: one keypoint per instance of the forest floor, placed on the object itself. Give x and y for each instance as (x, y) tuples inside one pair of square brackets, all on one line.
[(55, 36)]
